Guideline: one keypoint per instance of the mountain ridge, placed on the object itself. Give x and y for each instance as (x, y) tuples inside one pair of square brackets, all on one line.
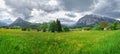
[(91, 20), (20, 22), (87, 20)]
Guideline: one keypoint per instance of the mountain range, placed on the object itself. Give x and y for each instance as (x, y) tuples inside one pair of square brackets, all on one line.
[(87, 20)]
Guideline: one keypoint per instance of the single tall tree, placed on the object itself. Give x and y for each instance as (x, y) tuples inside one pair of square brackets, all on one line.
[(59, 27)]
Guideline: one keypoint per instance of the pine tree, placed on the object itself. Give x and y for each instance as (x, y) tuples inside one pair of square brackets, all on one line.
[(59, 27), (55, 26)]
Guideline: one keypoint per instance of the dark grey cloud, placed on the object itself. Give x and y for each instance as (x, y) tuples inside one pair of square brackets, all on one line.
[(71, 15), (77, 5), (66, 20), (109, 8)]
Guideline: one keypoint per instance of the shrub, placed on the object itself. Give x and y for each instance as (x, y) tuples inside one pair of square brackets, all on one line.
[(15, 27), (43, 27), (86, 28), (24, 29), (114, 26), (97, 27), (66, 29), (28, 29)]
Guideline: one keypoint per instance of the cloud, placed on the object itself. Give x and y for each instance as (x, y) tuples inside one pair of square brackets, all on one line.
[(109, 8), (47, 10), (24, 7), (77, 5), (32, 9), (42, 16), (5, 11), (65, 19), (71, 15), (2, 4)]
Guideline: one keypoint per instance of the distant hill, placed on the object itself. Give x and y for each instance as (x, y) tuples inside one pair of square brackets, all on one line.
[(3, 24), (7, 21), (20, 22), (90, 20)]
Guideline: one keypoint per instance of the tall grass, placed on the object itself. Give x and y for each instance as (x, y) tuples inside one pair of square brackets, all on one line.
[(74, 42)]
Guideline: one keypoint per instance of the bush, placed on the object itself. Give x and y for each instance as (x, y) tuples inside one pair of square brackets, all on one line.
[(66, 29), (44, 30), (43, 27), (28, 29), (114, 26), (97, 27), (86, 28), (24, 29), (38, 30), (15, 27)]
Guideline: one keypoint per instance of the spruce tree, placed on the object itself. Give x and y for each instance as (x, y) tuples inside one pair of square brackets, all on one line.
[(59, 27)]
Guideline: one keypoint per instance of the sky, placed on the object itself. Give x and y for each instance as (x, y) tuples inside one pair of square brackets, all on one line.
[(68, 11)]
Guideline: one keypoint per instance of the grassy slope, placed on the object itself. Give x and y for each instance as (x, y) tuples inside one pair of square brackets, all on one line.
[(75, 42)]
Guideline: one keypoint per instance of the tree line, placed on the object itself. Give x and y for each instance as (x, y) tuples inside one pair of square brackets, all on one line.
[(107, 26), (103, 26), (53, 26)]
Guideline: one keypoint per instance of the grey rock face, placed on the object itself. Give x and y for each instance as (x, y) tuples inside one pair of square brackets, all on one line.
[(91, 20)]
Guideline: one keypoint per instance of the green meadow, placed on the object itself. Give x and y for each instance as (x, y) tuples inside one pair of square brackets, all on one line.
[(74, 42)]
